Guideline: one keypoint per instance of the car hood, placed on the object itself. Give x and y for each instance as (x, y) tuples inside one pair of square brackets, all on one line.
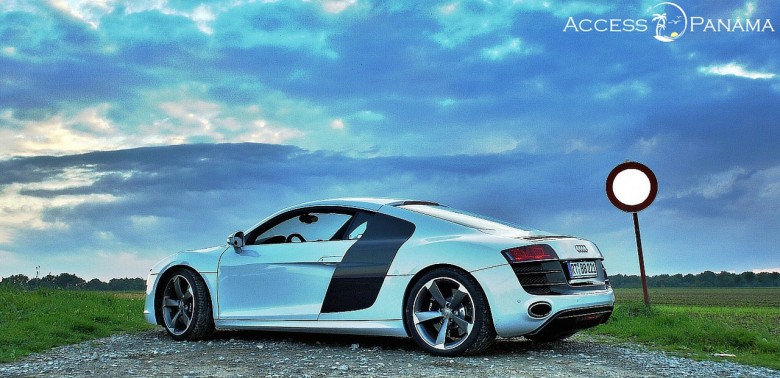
[(215, 249)]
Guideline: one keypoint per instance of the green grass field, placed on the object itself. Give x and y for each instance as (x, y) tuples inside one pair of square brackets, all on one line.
[(705, 296), (702, 322), (33, 321)]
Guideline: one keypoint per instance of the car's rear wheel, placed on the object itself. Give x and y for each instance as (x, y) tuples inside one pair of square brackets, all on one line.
[(186, 306), (447, 314)]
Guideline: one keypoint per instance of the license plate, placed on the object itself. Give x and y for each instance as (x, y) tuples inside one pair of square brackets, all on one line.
[(582, 269)]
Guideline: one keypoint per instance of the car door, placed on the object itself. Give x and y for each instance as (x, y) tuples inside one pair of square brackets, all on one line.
[(284, 272)]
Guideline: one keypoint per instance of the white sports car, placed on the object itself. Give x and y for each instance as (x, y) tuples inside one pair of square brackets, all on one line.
[(451, 280)]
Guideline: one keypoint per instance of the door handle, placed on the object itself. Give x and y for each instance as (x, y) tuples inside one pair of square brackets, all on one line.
[(330, 260)]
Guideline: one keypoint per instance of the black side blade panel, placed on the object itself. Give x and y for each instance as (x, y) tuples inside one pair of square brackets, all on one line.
[(358, 278)]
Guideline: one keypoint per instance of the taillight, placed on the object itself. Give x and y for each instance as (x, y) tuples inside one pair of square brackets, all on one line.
[(534, 252)]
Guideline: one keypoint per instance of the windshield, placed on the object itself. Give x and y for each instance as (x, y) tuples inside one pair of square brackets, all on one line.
[(479, 222)]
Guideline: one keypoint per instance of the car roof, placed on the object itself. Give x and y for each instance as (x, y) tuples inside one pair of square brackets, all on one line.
[(369, 203), (364, 203)]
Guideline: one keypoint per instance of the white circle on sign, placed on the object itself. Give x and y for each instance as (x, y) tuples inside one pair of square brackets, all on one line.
[(631, 187)]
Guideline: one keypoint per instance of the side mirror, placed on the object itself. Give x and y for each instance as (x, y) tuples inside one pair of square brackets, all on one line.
[(236, 239)]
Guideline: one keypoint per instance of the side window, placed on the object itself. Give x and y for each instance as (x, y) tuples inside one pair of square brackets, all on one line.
[(358, 231), (358, 226), (307, 227)]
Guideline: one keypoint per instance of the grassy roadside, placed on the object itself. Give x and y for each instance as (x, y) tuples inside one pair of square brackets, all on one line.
[(700, 323), (33, 321)]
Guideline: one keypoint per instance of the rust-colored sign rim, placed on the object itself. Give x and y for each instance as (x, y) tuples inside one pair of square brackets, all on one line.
[(642, 168)]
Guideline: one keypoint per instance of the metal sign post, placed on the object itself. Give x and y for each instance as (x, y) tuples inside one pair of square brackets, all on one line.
[(632, 187), (641, 259)]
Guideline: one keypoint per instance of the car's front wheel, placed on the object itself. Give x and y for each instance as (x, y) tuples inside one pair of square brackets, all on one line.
[(186, 306), (448, 315)]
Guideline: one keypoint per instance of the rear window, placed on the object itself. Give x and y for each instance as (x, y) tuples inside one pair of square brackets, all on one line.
[(465, 218)]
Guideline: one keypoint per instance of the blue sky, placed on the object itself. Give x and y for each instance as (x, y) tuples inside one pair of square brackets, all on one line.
[(134, 129)]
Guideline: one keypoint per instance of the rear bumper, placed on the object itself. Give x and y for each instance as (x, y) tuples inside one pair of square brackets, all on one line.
[(568, 321), (509, 304)]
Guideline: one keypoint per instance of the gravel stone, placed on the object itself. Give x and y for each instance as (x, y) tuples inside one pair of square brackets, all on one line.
[(257, 354)]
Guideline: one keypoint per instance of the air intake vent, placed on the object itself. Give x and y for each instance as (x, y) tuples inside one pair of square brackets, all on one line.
[(540, 277)]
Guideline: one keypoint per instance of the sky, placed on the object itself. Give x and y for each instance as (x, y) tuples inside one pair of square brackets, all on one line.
[(134, 129)]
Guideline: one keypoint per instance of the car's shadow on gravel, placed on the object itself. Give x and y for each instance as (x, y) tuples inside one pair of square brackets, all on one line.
[(502, 346), (313, 339)]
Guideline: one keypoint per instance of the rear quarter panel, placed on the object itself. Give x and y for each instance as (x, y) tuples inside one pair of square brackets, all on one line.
[(436, 241), (439, 242)]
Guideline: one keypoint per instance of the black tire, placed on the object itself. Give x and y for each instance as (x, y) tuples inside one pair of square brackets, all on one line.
[(549, 338), (185, 306), (448, 297)]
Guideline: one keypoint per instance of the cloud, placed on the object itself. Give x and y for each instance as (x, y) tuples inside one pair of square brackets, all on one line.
[(298, 27), (747, 11), (385, 98), (23, 211), (87, 130), (123, 192), (281, 72), (337, 6), (185, 120), (337, 124), (716, 185), (574, 8), (742, 194), (767, 270), (513, 46), (368, 116), (632, 88), (88, 11), (141, 204), (463, 21), (734, 69)]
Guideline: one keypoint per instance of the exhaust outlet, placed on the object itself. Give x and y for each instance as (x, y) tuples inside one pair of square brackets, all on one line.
[(539, 310)]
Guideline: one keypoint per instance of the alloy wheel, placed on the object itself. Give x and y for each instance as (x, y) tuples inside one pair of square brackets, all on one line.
[(178, 305), (443, 313)]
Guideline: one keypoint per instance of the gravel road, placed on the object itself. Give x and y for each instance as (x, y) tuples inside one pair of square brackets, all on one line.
[(152, 353)]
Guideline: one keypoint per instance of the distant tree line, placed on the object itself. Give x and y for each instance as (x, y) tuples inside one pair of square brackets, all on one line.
[(72, 282), (704, 279)]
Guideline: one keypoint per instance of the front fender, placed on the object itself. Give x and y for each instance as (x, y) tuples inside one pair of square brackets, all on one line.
[(205, 262)]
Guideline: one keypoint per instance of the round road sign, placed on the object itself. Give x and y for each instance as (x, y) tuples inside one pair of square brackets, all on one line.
[(631, 186)]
